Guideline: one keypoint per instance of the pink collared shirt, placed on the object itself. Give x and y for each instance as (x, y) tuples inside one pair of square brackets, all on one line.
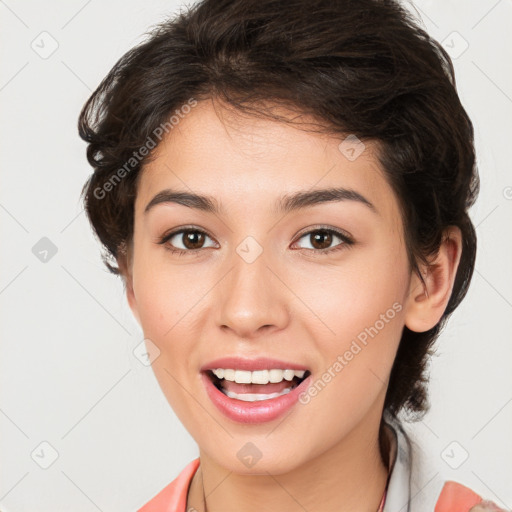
[(405, 475), (173, 498)]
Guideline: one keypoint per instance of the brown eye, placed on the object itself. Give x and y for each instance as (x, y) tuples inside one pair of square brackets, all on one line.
[(193, 239), (321, 240), (186, 240)]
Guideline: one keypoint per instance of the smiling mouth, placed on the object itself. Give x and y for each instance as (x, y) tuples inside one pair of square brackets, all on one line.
[(256, 386)]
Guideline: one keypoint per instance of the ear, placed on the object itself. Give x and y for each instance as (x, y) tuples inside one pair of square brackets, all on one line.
[(125, 264), (130, 296), (427, 302)]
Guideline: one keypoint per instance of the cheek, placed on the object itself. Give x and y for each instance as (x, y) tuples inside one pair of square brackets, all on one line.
[(353, 296), (364, 311), (166, 306), (165, 296), (357, 324)]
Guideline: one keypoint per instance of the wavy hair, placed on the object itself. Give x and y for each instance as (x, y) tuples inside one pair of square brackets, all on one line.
[(362, 67)]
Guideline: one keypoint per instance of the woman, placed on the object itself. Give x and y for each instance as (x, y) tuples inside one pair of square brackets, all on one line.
[(284, 189)]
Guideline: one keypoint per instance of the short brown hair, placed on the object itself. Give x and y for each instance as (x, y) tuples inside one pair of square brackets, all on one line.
[(362, 67)]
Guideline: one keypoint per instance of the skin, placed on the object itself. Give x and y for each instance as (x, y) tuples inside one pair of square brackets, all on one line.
[(291, 303)]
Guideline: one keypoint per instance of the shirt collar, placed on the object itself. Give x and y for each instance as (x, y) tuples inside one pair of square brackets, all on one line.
[(415, 480), (399, 489)]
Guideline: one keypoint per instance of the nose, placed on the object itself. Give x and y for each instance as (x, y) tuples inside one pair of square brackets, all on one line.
[(252, 300)]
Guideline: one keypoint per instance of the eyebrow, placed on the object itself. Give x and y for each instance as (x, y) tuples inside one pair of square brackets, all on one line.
[(286, 204)]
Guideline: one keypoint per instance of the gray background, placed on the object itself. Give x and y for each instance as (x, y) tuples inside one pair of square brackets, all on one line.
[(68, 374)]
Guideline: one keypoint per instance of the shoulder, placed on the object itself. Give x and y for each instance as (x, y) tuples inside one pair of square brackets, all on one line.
[(418, 482), (173, 497), (455, 496)]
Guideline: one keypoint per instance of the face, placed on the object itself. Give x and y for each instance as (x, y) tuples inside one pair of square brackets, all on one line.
[(319, 287)]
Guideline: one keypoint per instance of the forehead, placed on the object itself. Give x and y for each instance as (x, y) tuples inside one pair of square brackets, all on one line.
[(242, 159)]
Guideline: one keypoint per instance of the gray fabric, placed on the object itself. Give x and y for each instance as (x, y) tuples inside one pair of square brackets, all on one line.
[(414, 483)]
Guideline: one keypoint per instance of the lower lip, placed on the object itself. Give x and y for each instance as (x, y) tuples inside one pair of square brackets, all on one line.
[(253, 412)]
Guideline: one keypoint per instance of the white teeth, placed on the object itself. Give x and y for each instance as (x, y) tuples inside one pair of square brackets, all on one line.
[(243, 377), (257, 377), (255, 397), (288, 374), (276, 375), (229, 374), (260, 377)]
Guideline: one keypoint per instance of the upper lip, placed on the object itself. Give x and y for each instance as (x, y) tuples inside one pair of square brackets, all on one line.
[(259, 363)]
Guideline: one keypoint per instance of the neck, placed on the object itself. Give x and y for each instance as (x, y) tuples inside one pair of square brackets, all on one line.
[(349, 476)]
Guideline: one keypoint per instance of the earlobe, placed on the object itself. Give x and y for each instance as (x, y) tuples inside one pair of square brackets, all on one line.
[(125, 268), (130, 296), (427, 301)]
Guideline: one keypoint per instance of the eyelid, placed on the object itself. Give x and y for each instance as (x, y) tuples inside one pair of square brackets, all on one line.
[(347, 239), (169, 234), (321, 227)]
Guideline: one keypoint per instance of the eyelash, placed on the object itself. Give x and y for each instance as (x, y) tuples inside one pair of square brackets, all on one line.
[(347, 241)]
